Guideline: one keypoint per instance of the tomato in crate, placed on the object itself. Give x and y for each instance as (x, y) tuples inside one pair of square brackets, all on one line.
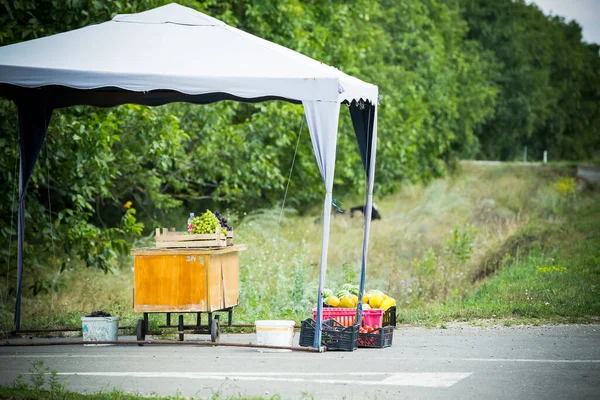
[(375, 337)]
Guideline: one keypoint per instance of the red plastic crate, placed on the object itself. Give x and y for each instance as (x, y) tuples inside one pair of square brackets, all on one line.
[(347, 316)]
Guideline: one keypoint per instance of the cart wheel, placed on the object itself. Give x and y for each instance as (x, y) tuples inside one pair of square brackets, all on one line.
[(181, 327), (215, 330), (141, 334)]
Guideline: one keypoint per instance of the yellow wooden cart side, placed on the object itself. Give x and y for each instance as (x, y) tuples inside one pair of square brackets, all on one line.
[(186, 280)]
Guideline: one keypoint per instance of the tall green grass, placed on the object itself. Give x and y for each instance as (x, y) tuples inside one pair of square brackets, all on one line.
[(554, 277), (431, 243)]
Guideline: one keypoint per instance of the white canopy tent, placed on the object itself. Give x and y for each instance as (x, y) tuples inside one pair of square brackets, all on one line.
[(173, 53)]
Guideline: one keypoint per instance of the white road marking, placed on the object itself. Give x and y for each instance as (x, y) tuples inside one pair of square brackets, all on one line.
[(245, 373), (515, 360), (73, 356), (528, 360), (425, 379), (420, 379)]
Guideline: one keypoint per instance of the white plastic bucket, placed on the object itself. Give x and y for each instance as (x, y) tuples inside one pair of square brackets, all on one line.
[(274, 333), (99, 329)]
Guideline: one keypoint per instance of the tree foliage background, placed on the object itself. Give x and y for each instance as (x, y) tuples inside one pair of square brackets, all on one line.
[(458, 78)]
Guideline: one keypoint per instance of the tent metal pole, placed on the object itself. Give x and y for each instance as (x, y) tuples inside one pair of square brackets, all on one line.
[(323, 266), (372, 134)]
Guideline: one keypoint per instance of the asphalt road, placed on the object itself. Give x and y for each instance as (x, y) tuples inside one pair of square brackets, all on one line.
[(550, 362)]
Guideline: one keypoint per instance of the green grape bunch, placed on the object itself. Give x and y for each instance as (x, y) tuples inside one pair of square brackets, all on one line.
[(207, 223)]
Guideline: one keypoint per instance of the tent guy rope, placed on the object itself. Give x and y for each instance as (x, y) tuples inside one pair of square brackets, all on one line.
[(290, 175)]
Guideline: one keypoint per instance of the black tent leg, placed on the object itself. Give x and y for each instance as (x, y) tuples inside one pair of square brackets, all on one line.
[(181, 328), (34, 116), (20, 253), (146, 322)]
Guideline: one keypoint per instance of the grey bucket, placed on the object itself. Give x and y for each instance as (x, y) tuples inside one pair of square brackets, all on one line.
[(99, 329)]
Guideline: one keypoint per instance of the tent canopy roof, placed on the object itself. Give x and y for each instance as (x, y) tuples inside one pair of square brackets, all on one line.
[(175, 48)]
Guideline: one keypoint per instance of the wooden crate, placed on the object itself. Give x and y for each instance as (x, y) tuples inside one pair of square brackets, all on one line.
[(170, 239)]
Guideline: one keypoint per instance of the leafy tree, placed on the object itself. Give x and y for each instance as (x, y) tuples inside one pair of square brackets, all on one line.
[(457, 78), (548, 84)]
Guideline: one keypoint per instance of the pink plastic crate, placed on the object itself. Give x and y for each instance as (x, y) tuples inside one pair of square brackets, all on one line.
[(372, 317), (346, 316)]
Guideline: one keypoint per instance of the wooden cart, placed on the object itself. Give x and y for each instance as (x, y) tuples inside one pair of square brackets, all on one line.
[(186, 281)]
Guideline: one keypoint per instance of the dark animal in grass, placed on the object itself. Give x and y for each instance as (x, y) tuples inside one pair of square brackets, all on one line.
[(374, 214)]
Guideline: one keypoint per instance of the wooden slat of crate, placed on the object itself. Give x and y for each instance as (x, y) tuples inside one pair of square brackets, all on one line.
[(172, 236), (170, 239), (192, 244), (152, 251)]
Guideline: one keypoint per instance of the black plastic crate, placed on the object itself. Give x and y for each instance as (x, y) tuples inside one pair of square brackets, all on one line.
[(378, 338), (334, 335), (389, 317)]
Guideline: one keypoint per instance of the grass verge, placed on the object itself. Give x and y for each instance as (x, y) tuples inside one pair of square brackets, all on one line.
[(553, 277), (7, 393)]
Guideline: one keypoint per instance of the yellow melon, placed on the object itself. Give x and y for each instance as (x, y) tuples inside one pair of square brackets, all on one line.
[(387, 303), (346, 302), (375, 300), (333, 301)]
